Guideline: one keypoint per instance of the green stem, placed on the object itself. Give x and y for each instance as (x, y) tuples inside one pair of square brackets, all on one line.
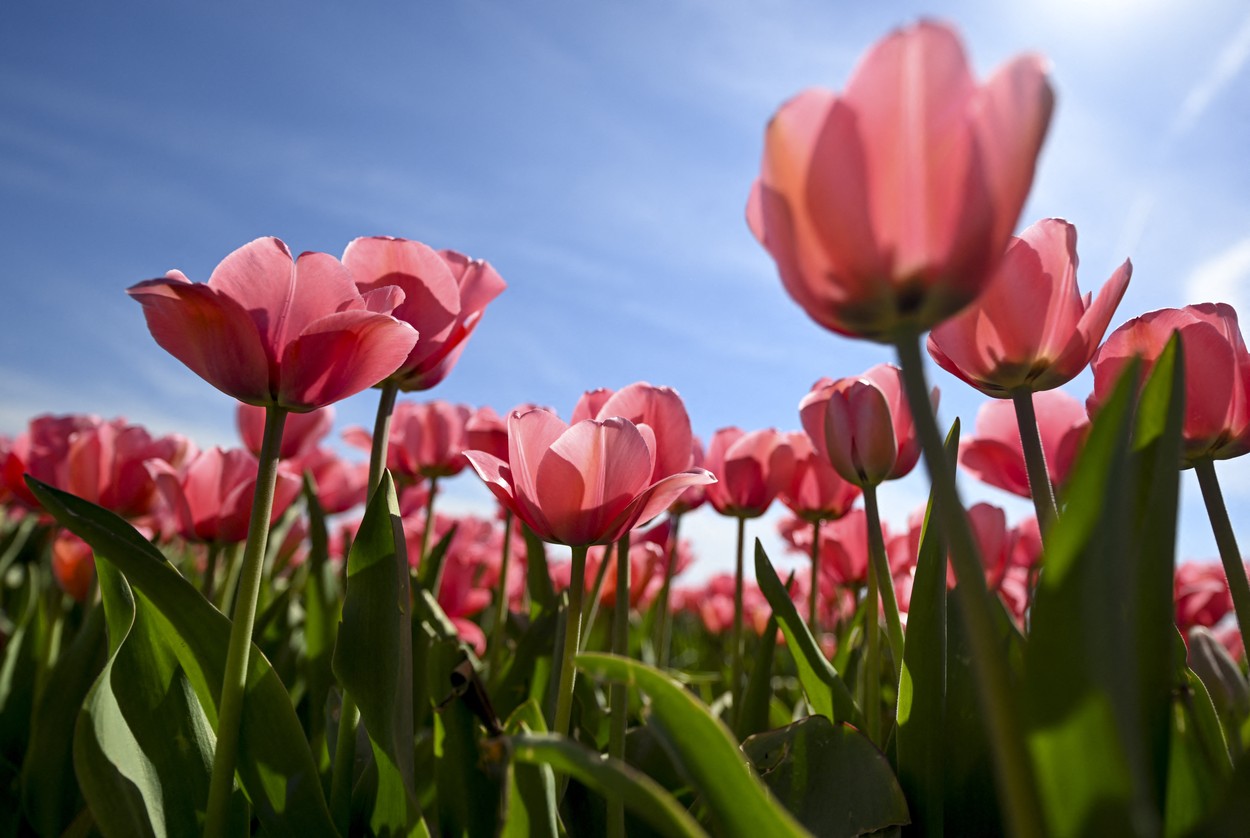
[(498, 627), (872, 657), (1013, 765), (1234, 570), (885, 581), (735, 639), (344, 764), (572, 632), (436, 581), (1035, 462), (591, 608), (662, 603), (230, 711), (813, 596), (210, 570), (381, 433), (618, 697)]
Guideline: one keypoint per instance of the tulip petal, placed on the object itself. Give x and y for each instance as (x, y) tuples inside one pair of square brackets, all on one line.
[(530, 435), (341, 354), (662, 409), (431, 295), (212, 334)]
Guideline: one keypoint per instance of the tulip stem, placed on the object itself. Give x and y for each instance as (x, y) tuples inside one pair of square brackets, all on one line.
[(499, 627), (381, 433), (210, 570), (735, 638), (572, 632), (591, 608), (813, 596), (618, 699), (871, 679), (880, 566), (436, 580), (1040, 487), (234, 685), (1234, 570), (1013, 765), (662, 604), (343, 772)]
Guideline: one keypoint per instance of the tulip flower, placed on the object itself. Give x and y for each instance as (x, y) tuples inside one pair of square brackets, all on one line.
[(340, 485), (659, 408), (271, 330), (1202, 595), (300, 433), (73, 565), (995, 454), (445, 295), (1217, 406), (888, 206), (588, 483), (1031, 329)]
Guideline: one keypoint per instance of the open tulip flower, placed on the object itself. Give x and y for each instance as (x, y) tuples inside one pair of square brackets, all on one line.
[(1031, 329), (995, 455), (581, 484), (659, 408), (887, 207), (751, 470), (271, 330), (445, 294)]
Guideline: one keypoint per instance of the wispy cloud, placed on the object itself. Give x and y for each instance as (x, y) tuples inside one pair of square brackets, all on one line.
[(1224, 278)]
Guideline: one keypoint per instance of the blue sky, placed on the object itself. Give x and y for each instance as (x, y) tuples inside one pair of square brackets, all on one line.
[(598, 154)]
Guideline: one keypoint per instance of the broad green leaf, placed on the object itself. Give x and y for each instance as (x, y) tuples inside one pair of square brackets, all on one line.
[(920, 736), (523, 676), (1198, 768), (531, 803), (373, 658), (609, 777), (825, 691), (537, 576), (49, 791), (322, 608), (831, 777), (703, 748), (275, 765), (1098, 679), (1232, 812), (143, 746)]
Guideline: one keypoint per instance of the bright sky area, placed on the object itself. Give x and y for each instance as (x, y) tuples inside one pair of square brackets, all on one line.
[(598, 154)]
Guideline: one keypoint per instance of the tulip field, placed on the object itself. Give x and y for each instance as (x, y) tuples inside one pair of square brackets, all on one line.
[(272, 638)]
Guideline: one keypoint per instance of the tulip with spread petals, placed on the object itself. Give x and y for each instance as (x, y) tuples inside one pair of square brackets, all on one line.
[(1217, 405), (887, 207), (995, 454), (1031, 329), (268, 329)]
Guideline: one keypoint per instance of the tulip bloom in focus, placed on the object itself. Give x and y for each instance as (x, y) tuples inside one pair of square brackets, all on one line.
[(888, 206), (271, 330), (995, 456), (751, 470), (582, 484), (1031, 329), (445, 294)]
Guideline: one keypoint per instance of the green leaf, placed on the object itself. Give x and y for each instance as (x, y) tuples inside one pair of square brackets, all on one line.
[(1198, 767), (537, 576), (432, 568), (1098, 679), (143, 746), (531, 802), (523, 676), (920, 735), (824, 688), (754, 715), (831, 777), (610, 777), (704, 749), (49, 790), (275, 765), (322, 609), (373, 658), (17, 675)]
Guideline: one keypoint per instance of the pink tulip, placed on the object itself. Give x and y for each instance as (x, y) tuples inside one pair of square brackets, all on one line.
[(1217, 373), (816, 491), (888, 207), (487, 431), (1202, 595), (695, 496), (995, 456), (301, 432), (659, 408), (751, 470), (340, 485), (211, 497), (863, 425), (427, 439), (1031, 329), (445, 296), (271, 330), (588, 483)]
